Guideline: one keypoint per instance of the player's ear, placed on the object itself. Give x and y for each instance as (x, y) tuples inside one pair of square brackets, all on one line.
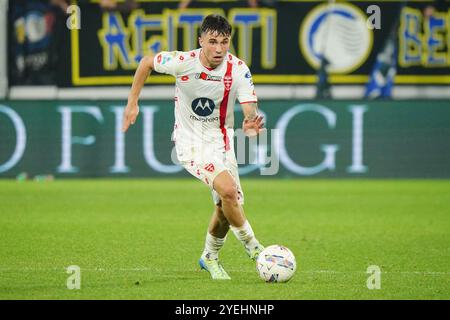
[(200, 41)]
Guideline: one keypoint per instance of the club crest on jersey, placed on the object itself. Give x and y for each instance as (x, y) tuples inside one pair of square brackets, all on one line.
[(207, 77), (203, 106), (228, 80)]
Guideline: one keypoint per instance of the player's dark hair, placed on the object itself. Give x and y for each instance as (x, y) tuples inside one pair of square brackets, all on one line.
[(215, 23)]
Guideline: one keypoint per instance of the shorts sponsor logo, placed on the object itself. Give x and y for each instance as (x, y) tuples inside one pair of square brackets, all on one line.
[(203, 106), (209, 167), (184, 78)]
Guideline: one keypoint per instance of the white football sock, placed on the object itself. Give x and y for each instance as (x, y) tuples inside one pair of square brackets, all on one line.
[(212, 246), (246, 235)]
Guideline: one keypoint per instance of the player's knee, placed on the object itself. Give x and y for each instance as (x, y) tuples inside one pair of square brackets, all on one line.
[(229, 193)]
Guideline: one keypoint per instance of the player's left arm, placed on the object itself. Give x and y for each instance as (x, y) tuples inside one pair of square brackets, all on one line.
[(253, 121)]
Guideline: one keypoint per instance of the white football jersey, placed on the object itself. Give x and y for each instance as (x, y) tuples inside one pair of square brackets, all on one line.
[(204, 97)]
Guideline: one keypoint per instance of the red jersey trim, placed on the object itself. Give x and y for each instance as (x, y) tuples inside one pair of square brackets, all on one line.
[(228, 80), (248, 102)]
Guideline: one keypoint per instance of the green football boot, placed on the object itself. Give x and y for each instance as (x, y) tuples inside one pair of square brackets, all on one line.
[(253, 252), (215, 269)]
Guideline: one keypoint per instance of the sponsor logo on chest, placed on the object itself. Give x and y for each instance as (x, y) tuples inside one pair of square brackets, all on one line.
[(203, 106), (207, 77)]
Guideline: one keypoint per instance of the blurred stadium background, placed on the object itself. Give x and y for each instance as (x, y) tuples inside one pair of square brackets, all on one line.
[(356, 89)]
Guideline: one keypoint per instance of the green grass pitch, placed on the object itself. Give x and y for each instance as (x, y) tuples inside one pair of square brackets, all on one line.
[(141, 239)]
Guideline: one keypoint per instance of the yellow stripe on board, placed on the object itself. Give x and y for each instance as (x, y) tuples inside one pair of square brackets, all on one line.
[(215, 1), (268, 79)]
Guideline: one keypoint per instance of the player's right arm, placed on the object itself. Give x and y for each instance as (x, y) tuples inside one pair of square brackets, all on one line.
[(168, 62), (132, 110)]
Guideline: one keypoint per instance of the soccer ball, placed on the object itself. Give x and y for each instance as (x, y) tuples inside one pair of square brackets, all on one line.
[(276, 264)]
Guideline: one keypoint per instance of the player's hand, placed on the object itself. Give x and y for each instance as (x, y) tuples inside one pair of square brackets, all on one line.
[(253, 127), (129, 115)]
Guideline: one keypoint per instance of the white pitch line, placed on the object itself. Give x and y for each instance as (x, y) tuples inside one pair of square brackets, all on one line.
[(438, 273)]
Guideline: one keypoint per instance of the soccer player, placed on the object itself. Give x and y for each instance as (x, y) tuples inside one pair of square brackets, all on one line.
[(208, 81)]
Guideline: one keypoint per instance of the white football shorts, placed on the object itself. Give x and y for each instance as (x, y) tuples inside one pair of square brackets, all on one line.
[(205, 162)]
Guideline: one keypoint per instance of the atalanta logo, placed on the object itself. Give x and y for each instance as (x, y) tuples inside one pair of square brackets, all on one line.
[(203, 106), (337, 32)]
